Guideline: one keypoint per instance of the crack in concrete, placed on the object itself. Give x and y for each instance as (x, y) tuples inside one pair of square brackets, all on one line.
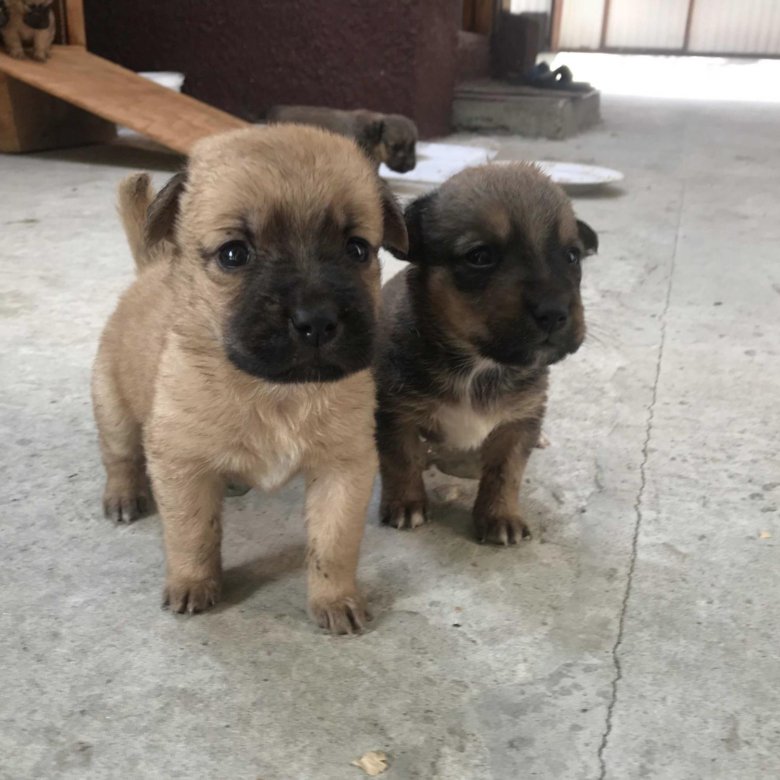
[(638, 509)]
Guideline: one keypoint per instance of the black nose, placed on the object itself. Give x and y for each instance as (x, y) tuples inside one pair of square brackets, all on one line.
[(550, 316), (315, 326)]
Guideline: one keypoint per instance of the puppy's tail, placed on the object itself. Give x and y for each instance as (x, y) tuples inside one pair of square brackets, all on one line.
[(135, 196)]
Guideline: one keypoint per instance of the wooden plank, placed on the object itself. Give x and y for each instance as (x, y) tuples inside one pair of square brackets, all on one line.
[(121, 96), (31, 120)]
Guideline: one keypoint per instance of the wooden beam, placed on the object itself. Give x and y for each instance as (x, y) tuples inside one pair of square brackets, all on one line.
[(688, 22), (77, 32), (605, 24), (555, 30)]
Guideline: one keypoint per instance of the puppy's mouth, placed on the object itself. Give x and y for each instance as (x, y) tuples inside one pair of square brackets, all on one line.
[(545, 351), (313, 368)]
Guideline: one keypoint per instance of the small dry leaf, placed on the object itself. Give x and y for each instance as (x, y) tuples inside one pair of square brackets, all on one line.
[(372, 763), (448, 492), (765, 535)]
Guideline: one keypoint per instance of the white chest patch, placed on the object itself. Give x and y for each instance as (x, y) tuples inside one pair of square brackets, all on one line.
[(461, 425), (277, 469)]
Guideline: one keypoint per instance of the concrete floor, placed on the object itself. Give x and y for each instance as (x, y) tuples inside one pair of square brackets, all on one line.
[(638, 636)]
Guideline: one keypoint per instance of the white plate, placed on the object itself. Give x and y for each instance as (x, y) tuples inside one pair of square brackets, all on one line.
[(576, 175), (437, 162)]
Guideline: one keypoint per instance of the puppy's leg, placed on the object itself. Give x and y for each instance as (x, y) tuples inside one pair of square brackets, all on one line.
[(41, 44), (12, 39), (504, 457), (337, 499), (401, 463), (126, 496), (190, 502)]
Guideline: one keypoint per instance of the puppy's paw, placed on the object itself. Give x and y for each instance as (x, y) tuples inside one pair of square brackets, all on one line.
[(405, 514), (343, 615), (501, 529), (127, 499), (39, 56), (17, 54), (543, 443), (126, 506), (191, 596)]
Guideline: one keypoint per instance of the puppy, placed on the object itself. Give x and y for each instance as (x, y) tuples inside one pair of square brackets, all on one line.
[(28, 23), (243, 349), (468, 333), (385, 138)]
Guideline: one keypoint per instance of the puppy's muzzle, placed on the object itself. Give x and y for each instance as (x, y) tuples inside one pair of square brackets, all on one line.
[(550, 316), (37, 17), (315, 326)]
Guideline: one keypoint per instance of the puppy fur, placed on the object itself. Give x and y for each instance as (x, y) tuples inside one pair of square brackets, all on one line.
[(468, 333), (205, 373), (385, 138), (27, 24)]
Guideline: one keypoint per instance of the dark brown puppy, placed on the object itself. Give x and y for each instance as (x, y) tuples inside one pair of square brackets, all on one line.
[(242, 352), (468, 332), (385, 138)]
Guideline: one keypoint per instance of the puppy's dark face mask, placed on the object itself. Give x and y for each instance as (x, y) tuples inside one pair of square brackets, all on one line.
[(36, 15), (290, 280), (303, 308), (500, 255)]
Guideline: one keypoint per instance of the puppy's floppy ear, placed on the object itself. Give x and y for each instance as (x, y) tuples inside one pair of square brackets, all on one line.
[(394, 236), (163, 211), (588, 237), (415, 215)]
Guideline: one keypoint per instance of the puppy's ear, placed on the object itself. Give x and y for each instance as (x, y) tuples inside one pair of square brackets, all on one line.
[(588, 237), (415, 215), (163, 211), (373, 130), (394, 236)]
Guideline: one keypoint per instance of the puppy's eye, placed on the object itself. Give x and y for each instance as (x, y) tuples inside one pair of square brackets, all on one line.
[(357, 249), (574, 255), (481, 257), (234, 254)]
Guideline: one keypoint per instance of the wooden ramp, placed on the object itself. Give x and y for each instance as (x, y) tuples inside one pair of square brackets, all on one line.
[(100, 87)]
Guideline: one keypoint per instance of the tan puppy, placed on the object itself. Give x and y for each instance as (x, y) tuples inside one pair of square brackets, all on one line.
[(385, 138), (467, 335), (28, 23), (242, 351)]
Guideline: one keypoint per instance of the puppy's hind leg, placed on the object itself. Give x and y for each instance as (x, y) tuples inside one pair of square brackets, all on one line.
[(127, 496), (401, 462)]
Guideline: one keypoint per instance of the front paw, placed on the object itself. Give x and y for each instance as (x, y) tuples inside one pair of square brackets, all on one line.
[(126, 500), (17, 54), (191, 596), (40, 56), (500, 529), (404, 514), (342, 615)]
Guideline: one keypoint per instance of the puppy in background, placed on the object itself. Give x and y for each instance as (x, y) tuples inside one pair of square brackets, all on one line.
[(385, 138), (242, 352), (468, 333), (28, 23)]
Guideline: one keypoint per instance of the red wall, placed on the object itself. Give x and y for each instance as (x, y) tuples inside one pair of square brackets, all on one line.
[(395, 56)]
